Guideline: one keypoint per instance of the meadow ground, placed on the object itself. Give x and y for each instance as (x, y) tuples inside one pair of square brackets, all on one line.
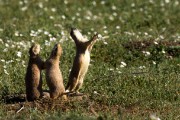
[(135, 65)]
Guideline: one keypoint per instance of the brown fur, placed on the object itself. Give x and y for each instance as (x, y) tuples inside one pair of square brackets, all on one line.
[(33, 79), (54, 77), (81, 61)]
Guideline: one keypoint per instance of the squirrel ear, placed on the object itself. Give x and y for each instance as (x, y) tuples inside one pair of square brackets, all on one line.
[(36, 49)]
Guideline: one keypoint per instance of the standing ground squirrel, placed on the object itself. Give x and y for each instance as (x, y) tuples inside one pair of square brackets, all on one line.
[(33, 78), (54, 77), (81, 61)]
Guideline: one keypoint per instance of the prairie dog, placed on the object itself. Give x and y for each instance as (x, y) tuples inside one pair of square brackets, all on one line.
[(33, 78), (54, 77), (81, 60)]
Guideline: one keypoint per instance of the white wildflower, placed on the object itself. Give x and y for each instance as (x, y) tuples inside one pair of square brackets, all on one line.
[(167, 1), (5, 50), (154, 62), (2, 60), (133, 5), (145, 33), (105, 31), (111, 69), (6, 45), (123, 64), (40, 4), (65, 2), (46, 32), (142, 67), (5, 71), (176, 3), (146, 53), (99, 36), (117, 27), (96, 93), (155, 42), (63, 17), (163, 51), (16, 33), (102, 2), (105, 42), (51, 17), (151, 1), (154, 117), (161, 37), (53, 9), (52, 39), (24, 8), (114, 14), (111, 18), (94, 3), (19, 54), (113, 7)]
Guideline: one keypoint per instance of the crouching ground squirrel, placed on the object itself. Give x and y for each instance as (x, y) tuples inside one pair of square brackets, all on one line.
[(33, 78), (81, 61), (54, 77)]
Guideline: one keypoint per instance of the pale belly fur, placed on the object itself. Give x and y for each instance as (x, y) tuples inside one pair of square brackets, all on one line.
[(85, 60)]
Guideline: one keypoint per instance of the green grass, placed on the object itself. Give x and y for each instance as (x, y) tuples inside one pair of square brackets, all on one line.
[(147, 84)]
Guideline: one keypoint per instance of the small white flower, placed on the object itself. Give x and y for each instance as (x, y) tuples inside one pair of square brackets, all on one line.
[(40, 5), (154, 117), (51, 17), (113, 7), (156, 43), (53, 39), (16, 33), (95, 92), (161, 37), (105, 42), (117, 27), (63, 17), (5, 50), (146, 53), (102, 2), (46, 32), (167, 1), (94, 3), (154, 62), (39, 30), (123, 64), (142, 67), (19, 54), (6, 45), (24, 8), (176, 3), (105, 31), (133, 5), (5, 71), (163, 51), (111, 69), (53, 9), (145, 33), (114, 14), (111, 18), (2, 60), (99, 36)]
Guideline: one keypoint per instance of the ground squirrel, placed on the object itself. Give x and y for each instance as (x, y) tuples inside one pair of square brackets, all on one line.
[(54, 77), (81, 61), (33, 78)]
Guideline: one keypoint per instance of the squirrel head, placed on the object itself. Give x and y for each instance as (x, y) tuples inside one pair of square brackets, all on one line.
[(57, 50), (34, 50), (77, 36)]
